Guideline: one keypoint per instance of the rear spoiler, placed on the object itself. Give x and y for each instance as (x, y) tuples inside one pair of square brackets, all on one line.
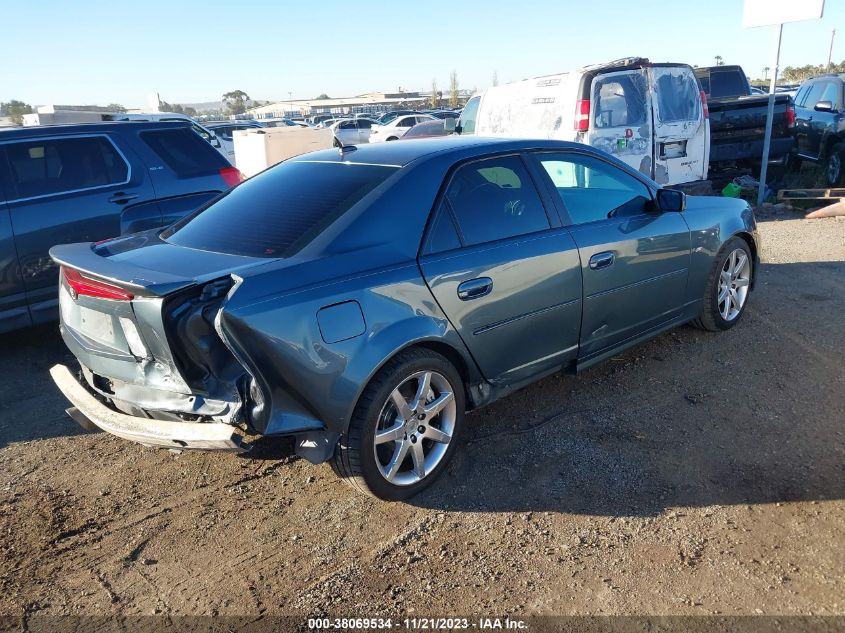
[(141, 280)]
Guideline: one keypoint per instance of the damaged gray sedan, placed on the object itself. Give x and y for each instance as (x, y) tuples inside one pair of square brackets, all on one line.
[(361, 300)]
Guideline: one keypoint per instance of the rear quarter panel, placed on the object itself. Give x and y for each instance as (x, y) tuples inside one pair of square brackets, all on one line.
[(712, 222)]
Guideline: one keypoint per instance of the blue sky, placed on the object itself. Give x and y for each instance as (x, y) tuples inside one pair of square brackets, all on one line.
[(83, 51)]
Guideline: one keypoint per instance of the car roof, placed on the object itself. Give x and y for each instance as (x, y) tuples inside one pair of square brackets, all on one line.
[(401, 154), (85, 128)]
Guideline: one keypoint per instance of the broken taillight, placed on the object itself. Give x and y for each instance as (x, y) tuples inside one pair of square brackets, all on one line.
[(582, 115), (232, 176), (790, 115), (704, 107), (85, 286)]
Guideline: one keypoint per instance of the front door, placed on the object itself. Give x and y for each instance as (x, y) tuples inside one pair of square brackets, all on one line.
[(504, 272), (67, 189), (634, 259), (13, 310), (680, 129)]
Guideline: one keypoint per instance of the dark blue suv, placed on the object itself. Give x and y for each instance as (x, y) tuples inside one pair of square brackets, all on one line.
[(83, 183)]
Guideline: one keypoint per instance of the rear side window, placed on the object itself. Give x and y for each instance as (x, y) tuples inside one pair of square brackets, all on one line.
[(495, 199), (185, 152), (280, 211), (50, 166), (468, 116)]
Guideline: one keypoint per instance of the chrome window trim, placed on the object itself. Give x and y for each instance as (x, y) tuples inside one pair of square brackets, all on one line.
[(57, 137)]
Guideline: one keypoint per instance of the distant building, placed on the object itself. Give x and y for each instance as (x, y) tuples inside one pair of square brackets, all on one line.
[(347, 105)]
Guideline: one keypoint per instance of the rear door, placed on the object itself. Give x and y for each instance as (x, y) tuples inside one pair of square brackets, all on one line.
[(13, 310), (620, 117), (504, 271), (71, 188), (634, 259), (186, 171), (680, 130)]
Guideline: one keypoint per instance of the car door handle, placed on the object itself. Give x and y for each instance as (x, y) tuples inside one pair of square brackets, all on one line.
[(601, 260), (122, 198), (475, 288)]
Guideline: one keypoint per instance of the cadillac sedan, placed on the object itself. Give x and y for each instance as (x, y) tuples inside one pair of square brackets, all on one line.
[(362, 300)]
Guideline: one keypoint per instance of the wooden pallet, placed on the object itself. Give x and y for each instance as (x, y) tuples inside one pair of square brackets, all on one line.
[(811, 194)]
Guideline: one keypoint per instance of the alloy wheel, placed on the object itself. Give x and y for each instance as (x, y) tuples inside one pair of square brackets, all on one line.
[(415, 427), (734, 282), (834, 167)]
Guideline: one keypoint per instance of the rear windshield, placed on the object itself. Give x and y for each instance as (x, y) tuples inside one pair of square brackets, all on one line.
[(185, 152), (278, 212), (728, 83)]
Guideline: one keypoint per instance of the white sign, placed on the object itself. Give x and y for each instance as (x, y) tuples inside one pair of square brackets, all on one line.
[(769, 12)]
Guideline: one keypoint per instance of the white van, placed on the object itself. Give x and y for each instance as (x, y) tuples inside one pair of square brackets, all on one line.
[(652, 116)]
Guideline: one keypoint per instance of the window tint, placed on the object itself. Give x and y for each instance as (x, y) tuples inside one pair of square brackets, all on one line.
[(593, 190), (619, 100), (278, 212), (42, 167), (184, 152), (443, 235), (729, 83), (801, 95), (495, 199), (815, 94), (678, 98), (365, 124), (830, 93), (347, 125), (408, 121)]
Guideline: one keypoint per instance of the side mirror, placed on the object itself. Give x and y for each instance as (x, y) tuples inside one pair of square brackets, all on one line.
[(215, 142), (671, 200), (450, 125), (824, 106)]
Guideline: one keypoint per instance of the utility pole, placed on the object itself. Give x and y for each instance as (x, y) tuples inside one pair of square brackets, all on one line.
[(830, 52), (290, 101)]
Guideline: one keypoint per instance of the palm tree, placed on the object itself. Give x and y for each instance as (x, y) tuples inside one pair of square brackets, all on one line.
[(766, 72)]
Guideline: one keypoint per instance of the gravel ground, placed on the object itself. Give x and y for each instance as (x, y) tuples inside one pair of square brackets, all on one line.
[(694, 474)]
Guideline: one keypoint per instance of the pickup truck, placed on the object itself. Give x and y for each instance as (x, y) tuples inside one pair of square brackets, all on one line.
[(738, 119), (820, 125)]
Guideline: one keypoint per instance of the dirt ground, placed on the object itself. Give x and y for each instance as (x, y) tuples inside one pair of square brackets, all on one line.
[(694, 474)]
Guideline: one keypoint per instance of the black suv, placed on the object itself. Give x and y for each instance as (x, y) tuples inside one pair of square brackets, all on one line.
[(820, 124), (84, 183)]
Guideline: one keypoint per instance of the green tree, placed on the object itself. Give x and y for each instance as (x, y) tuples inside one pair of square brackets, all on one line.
[(323, 96), (236, 101), (115, 107), (719, 61), (454, 98), (15, 110), (190, 111)]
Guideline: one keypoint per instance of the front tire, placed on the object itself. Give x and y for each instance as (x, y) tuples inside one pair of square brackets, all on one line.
[(728, 286), (835, 165), (405, 427)]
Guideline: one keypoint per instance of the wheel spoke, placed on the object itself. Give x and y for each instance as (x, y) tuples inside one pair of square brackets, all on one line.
[(418, 457), (735, 300), (727, 309), (437, 435), (726, 277), (423, 388), (401, 404), (392, 434), (740, 264), (739, 283), (732, 263), (723, 294), (399, 455), (440, 403)]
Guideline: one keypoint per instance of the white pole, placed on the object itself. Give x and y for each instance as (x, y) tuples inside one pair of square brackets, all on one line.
[(830, 52), (767, 140)]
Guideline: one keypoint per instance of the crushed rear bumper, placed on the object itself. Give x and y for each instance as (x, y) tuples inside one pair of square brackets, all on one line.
[(158, 433)]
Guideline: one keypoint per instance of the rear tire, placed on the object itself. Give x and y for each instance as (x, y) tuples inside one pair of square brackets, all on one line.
[(393, 138), (405, 427), (728, 286)]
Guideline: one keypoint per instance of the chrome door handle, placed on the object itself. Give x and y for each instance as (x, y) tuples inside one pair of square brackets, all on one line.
[(601, 260), (475, 288)]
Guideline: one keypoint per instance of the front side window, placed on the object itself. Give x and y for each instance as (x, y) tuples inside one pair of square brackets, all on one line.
[(469, 115), (831, 93), (495, 199), (619, 100), (50, 166), (279, 211), (592, 190), (408, 121)]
